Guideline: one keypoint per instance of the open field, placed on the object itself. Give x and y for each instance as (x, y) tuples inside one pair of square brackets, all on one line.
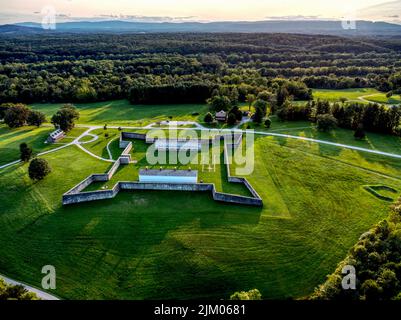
[(10, 139), (121, 112), (145, 245), (361, 95)]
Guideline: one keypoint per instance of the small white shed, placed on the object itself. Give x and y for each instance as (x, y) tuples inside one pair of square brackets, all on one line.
[(168, 176)]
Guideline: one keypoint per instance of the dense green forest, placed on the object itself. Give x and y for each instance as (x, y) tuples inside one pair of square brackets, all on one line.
[(185, 68)]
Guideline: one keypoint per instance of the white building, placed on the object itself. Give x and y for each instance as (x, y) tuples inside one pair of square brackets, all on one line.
[(56, 136), (168, 176), (221, 116)]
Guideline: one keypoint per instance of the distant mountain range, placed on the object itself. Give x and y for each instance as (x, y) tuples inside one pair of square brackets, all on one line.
[(276, 26)]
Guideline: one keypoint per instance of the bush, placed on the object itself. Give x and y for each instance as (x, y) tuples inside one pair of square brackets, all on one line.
[(38, 169), (326, 122), (268, 123)]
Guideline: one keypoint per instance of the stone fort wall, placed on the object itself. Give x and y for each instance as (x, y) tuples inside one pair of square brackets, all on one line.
[(76, 194)]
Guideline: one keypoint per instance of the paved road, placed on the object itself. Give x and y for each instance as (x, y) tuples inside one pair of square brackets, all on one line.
[(41, 294)]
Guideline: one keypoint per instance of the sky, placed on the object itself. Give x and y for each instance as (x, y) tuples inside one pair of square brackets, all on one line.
[(181, 10)]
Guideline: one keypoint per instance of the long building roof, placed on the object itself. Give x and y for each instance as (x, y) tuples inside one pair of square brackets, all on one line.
[(168, 173)]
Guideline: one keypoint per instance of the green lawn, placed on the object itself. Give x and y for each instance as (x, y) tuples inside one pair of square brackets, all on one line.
[(155, 245), (121, 112), (382, 98), (10, 139), (349, 94), (374, 141)]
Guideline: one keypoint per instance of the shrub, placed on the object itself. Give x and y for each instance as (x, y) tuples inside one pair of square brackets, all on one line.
[(268, 123), (38, 169)]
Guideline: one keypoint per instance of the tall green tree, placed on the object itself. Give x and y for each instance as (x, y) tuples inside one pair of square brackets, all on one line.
[(16, 116), (65, 118), (38, 169), (25, 152), (36, 118)]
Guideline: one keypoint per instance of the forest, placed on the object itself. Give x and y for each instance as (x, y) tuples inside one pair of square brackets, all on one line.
[(187, 68)]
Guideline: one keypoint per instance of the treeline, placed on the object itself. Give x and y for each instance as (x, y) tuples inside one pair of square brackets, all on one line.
[(167, 94), (371, 117), (376, 258), (99, 67)]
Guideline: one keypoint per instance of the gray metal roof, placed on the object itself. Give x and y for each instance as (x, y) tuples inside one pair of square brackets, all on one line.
[(169, 173)]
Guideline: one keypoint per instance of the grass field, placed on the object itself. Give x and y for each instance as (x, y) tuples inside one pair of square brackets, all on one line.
[(10, 139), (121, 112), (154, 245), (360, 94)]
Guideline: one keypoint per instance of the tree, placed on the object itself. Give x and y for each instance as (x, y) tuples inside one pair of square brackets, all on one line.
[(359, 133), (231, 120), (15, 292), (253, 294), (3, 108), (218, 103), (371, 290), (38, 169), (25, 152), (65, 117), (237, 113), (208, 118), (268, 123), (36, 118), (326, 122), (282, 95), (262, 105), (16, 116), (250, 98), (258, 116)]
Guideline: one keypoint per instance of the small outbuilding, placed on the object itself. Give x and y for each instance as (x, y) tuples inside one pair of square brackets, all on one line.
[(221, 116), (56, 136), (168, 176)]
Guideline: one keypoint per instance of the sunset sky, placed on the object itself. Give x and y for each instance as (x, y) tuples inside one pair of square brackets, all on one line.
[(205, 10)]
